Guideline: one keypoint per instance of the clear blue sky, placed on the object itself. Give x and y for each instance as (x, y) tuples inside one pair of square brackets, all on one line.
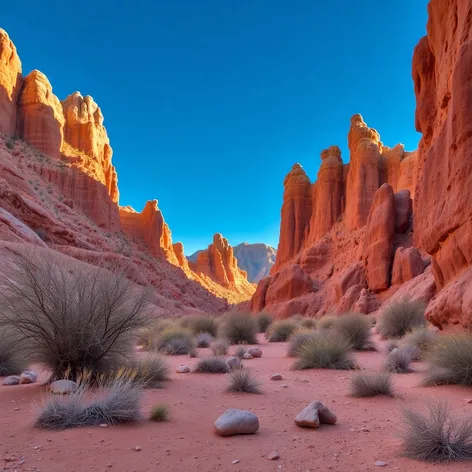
[(208, 103)]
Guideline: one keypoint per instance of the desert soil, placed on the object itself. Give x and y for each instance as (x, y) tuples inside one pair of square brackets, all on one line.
[(188, 442)]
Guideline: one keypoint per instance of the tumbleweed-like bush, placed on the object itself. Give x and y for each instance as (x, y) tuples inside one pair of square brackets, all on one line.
[(219, 347), (371, 384), (175, 341), (212, 365), (356, 330), (298, 339), (204, 339), (400, 317), (243, 380), (399, 361), (264, 320), (239, 328), (280, 331)]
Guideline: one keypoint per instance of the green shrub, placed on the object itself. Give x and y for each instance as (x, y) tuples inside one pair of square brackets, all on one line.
[(325, 351), (264, 320), (175, 341), (243, 380), (450, 361), (400, 317), (239, 328), (371, 385), (280, 331), (212, 365), (356, 330), (159, 413)]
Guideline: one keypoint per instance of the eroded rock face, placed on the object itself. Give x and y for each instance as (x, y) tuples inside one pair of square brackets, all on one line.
[(10, 83), (407, 265), (289, 283), (403, 210), (295, 217), (378, 242)]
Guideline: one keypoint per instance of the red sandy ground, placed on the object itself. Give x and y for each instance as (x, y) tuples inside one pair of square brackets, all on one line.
[(188, 442)]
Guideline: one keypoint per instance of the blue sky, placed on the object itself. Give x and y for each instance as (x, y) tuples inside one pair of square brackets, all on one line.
[(208, 103)]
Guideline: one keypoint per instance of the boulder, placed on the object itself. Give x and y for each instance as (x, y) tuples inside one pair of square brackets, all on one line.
[(315, 414), (255, 352), (11, 380), (355, 275), (233, 363), (407, 265), (234, 421), (289, 283)]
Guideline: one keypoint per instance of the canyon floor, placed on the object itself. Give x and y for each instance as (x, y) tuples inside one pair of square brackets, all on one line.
[(187, 442)]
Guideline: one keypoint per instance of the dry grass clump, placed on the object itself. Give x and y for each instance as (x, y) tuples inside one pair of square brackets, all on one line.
[(147, 336), (159, 413), (326, 350), (264, 320), (239, 328), (327, 321), (175, 341), (298, 339), (200, 324), (243, 380), (280, 331), (356, 330), (391, 345), (219, 347), (399, 360), (69, 318), (420, 340), (400, 317), (371, 384), (450, 361), (150, 370), (437, 436), (115, 402), (204, 339), (308, 323), (239, 352), (212, 365), (11, 360)]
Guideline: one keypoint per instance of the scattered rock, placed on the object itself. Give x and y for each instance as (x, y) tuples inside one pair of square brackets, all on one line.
[(234, 421), (103, 425), (285, 386), (63, 387), (314, 414), (365, 429), (183, 369), (273, 456), (255, 352), (137, 448), (233, 363), (11, 380), (236, 461), (276, 377), (28, 377), (246, 355), (380, 463)]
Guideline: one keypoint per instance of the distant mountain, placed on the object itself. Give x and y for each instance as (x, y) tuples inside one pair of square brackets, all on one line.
[(256, 259)]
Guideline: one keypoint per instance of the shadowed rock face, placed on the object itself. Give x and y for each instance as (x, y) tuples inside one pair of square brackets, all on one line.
[(255, 259)]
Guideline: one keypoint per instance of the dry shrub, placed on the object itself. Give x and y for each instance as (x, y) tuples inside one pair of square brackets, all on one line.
[(243, 380), (450, 361), (150, 370), (115, 402), (70, 319), (280, 331), (298, 339), (240, 351), (11, 360), (356, 330), (175, 341), (399, 360), (264, 320), (239, 328), (159, 413), (200, 324), (204, 339), (400, 317), (437, 436), (212, 365), (420, 340), (326, 350), (219, 347), (308, 323), (391, 345), (371, 384), (327, 321), (148, 335)]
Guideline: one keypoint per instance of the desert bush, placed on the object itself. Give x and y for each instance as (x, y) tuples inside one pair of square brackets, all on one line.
[(148, 336), (175, 341), (212, 365), (150, 370), (326, 321), (356, 330), (243, 380), (399, 360), (159, 413), (400, 317), (240, 351), (204, 339), (437, 436), (391, 345), (371, 384), (308, 323), (420, 340), (297, 340), (280, 331), (239, 328), (115, 402), (325, 351), (71, 318), (450, 361), (219, 347), (264, 320), (11, 360), (201, 324)]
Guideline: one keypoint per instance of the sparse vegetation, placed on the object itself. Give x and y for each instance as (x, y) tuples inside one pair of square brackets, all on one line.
[(175, 341), (219, 347), (280, 331), (240, 351), (70, 319), (243, 380), (11, 360), (239, 328), (204, 339), (298, 339), (398, 361), (159, 413), (400, 317), (420, 340), (201, 324), (212, 365), (371, 384), (450, 361), (150, 370), (356, 330), (325, 351), (327, 321), (391, 345), (115, 402), (437, 436), (264, 320), (308, 323), (149, 335)]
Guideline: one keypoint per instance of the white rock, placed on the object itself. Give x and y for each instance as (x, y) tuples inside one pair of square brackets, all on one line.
[(273, 456), (234, 421), (63, 387), (28, 377), (380, 464), (183, 369), (11, 380)]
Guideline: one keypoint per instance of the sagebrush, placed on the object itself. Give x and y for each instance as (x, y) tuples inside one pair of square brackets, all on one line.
[(280, 331), (243, 380), (400, 317), (356, 330), (212, 365), (239, 328), (371, 384)]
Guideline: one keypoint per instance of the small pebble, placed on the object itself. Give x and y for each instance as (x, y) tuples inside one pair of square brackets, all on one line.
[(365, 429), (235, 461), (137, 448), (276, 377), (380, 464), (284, 386), (103, 425), (273, 456)]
